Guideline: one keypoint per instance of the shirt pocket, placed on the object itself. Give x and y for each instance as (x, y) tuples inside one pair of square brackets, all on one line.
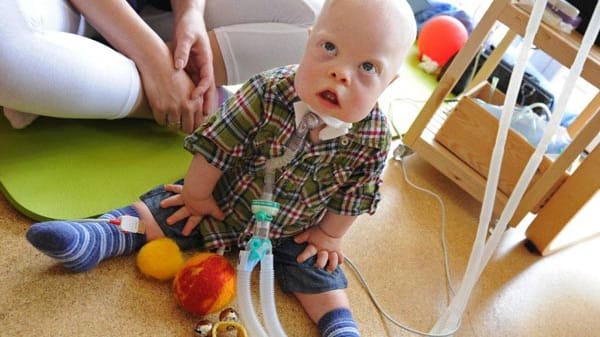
[(311, 185), (324, 181), (305, 186)]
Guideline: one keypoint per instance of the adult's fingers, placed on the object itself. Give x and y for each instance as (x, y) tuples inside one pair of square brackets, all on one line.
[(193, 116), (183, 45), (204, 84), (210, 101), (174, 121)]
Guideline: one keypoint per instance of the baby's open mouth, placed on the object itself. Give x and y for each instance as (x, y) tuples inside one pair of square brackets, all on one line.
[(329, 96)]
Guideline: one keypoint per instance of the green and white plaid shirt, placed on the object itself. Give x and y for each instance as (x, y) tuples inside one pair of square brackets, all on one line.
[(341, 175)]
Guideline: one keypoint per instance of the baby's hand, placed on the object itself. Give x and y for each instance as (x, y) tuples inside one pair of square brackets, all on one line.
[(327, 248), (204, 208)]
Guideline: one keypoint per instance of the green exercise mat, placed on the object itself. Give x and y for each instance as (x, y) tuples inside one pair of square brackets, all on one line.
[(66, 168)]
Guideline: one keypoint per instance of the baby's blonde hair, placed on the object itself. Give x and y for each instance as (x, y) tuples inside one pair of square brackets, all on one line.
[(397, 14)]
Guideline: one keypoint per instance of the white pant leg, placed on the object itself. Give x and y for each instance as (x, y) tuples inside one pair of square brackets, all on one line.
[(256, 35), (251, 48), (47, 69), (221, 13)]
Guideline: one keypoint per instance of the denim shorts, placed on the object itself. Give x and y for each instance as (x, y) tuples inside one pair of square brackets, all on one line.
[(303, 277), (291, 275), (152, 199)]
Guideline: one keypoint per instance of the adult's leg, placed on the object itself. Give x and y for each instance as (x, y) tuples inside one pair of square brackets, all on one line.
[(244, 34), (221, 13), (48, 69), (255, 35), (249, 49)]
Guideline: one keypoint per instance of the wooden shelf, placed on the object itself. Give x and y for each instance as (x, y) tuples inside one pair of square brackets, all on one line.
[(559, 45)]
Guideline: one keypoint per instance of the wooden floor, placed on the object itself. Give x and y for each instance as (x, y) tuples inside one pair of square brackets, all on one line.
[(398, 251)]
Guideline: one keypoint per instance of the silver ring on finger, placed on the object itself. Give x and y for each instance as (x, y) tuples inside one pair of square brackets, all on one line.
[(174, 125)]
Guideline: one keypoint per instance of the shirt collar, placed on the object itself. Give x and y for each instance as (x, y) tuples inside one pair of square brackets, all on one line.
[(335, 127)]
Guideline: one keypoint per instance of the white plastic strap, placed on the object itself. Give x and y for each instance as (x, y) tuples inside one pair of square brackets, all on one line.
[(129, 224), (482, 252)]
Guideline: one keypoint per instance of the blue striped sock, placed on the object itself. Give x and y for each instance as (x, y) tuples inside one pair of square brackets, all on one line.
[(80, 246), (338, 323)]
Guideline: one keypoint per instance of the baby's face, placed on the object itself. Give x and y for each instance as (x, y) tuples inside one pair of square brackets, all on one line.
[(349, 60)]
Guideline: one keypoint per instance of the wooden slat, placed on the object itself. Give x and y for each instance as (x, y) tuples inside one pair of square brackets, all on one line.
[(541, 189), (565, 203), (493, 60), (582, 119), (455, 169)]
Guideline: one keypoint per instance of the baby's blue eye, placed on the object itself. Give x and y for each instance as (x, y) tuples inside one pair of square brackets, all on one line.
[(368, 67), (329, 47)]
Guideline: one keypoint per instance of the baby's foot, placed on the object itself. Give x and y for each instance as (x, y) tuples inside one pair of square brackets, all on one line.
[(80, 246), (18, 119)]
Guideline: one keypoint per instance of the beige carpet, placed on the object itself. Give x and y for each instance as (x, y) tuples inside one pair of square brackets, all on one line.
[(398, 250)]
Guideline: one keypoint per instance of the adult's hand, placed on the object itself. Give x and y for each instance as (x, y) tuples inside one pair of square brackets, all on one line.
[(193, 51), (168, 90), (169, 94)]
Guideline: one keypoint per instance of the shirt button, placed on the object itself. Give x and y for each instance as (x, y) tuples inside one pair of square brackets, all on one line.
[(345, 141)]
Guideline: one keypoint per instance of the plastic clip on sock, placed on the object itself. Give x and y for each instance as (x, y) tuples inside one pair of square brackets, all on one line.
[(126, 223)]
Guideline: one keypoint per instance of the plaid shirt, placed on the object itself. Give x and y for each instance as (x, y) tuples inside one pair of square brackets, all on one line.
[(341, 175)]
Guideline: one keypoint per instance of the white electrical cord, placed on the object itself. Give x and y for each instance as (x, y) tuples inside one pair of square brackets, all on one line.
[(446, 267)]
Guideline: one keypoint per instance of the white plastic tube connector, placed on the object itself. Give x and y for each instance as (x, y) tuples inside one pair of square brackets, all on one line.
[(267, 297), (247, 313)]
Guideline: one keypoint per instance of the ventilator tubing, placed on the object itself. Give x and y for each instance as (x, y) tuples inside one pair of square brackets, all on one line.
[(260, 245), (247, 313), (483, 251), (267, 298)]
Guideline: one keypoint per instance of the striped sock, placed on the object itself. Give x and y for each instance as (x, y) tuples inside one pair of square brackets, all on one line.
[(338, 323), (80, 246)]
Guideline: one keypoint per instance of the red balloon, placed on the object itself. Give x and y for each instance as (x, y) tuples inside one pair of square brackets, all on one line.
[(441, 37)]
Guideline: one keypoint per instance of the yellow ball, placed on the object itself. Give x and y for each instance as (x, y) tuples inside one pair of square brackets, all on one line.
[(160, 259)]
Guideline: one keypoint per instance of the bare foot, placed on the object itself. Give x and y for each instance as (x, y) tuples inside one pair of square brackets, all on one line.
[(17, 119)]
